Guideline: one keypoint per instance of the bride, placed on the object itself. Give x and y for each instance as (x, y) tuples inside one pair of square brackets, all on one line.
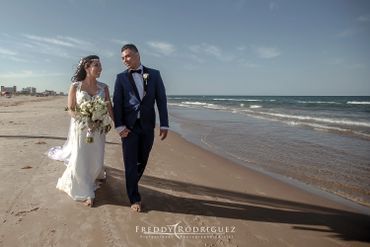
[(84, 160)]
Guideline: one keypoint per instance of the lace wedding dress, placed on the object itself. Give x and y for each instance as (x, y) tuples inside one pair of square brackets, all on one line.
[(84, 160)]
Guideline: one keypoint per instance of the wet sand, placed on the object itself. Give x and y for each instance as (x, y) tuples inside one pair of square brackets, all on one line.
[(191, 197)]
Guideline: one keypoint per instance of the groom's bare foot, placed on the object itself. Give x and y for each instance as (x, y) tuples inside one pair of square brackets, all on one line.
[(88, 202), (136, 207)]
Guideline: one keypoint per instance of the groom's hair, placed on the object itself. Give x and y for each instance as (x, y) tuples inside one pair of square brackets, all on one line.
[(132, 47)]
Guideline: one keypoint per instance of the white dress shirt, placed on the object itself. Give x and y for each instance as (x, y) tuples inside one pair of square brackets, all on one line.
[(139, 82)]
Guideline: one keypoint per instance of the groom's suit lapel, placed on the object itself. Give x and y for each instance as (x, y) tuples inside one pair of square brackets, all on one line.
[(133, 85)]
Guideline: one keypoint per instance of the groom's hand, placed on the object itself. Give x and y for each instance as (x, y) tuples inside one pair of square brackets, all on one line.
[(124, 133), (163, 133)]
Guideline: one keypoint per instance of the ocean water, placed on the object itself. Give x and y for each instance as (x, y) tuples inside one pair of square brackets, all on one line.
[(323, 142)]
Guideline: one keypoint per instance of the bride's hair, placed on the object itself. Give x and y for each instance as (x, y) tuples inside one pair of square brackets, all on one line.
[(80, 73)]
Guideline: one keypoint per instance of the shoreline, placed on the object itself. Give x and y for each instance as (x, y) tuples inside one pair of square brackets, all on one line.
[(312, 158), (183, 185), (337, 198), (362, 207)]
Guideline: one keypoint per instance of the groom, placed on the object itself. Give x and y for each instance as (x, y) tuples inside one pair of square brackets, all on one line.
[(136, 91)]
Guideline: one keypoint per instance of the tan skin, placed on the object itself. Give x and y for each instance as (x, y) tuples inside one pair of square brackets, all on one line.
[(89, 85), (132, 61)]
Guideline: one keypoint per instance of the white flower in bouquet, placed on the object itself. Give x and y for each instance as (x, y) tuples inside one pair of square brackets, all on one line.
[(99, 111), (93, 114), (107, 121)]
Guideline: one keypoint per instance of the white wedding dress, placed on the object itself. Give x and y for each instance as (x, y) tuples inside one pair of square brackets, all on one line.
[(84, 161)]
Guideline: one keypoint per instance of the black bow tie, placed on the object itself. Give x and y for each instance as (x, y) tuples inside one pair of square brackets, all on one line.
[(135, 71)]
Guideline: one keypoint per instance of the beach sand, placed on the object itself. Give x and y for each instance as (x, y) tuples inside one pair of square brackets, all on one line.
[(191, 197)]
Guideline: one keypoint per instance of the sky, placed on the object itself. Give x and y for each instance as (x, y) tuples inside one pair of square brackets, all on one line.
[(201, 47)]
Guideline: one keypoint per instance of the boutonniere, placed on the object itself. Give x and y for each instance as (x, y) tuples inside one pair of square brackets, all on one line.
[(146, 77)]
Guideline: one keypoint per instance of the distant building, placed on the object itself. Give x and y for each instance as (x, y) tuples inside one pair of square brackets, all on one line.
[(28, 91), (8, 90), (49, 93)]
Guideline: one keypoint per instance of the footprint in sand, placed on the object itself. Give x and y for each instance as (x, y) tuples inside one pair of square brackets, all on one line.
[(23, 213), (40, 142), (26, 167)]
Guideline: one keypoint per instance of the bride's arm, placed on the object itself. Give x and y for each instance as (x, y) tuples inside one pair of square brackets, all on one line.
[(108, 100), (72, 101)]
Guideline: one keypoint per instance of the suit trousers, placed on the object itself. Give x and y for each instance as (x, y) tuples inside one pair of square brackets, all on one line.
[(136, 148)]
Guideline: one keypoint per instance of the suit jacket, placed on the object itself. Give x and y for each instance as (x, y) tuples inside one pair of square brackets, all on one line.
[(127, 102)]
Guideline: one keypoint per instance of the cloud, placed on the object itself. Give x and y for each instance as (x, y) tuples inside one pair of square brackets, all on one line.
[(62, 41), (75, 41), (196, 58), (346, 64), (241, 48), (29, 74), (211, 50), (273, 6), (347, 33), (204, 48), (59, 46), (163, 48), (7, 52), (120, 42), (109, 54), (267, 52), (360, 27), (51, 41), (11, 55), (363, 18), (247, 64), (17, 59)]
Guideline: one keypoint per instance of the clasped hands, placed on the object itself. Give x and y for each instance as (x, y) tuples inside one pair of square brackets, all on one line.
[(124, 133), (162, 133)]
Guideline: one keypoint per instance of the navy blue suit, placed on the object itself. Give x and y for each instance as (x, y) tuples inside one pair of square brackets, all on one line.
[(138, 144)]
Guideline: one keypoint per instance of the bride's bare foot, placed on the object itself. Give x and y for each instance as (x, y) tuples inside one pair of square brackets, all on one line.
[(88, 202), (136, 207)]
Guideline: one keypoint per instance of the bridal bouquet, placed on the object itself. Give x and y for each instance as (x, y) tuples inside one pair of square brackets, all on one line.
[(93, 114)]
